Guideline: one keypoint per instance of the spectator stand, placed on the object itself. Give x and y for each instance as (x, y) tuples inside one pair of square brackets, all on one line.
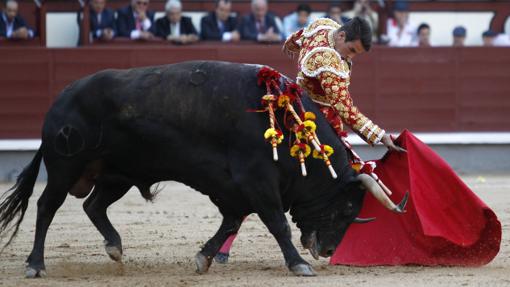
[(441, 15)]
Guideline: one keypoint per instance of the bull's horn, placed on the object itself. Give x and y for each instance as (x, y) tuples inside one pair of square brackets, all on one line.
[(363, 220), (375, 189)]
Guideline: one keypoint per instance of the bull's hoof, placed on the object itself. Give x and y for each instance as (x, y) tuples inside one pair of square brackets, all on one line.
[(302, 270), (202, 263), (115, 252), (221, 258), (34, 273)]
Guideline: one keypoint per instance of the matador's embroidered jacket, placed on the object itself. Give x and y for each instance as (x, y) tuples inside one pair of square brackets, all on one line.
[(325, 75)]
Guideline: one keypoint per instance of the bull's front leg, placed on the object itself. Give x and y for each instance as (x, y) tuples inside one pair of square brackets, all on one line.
[(277, 224), (260, 187)]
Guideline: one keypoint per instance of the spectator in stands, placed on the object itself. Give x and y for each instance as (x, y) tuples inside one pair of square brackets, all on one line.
[(174, 27), (493, 39), (400, 32), (363, 10), (459, 36), (423, 39), (136, 21), (335, 13), (488, 38), (219, 25), (297, 20), (12, 26), (260, 25), (102, 21)]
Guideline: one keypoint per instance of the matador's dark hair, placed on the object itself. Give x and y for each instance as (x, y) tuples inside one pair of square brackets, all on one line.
[(358, 29)]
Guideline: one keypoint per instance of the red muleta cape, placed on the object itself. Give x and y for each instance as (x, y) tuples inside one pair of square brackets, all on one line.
[(445, 222)]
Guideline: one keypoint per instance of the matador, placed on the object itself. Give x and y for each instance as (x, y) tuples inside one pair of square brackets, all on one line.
[(325, 51)]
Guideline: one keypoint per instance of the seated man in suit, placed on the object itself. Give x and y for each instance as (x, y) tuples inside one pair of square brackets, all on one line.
[(260, 25), (135, 21), (219, 25), (102, 21), (174, 27), (12, 26)]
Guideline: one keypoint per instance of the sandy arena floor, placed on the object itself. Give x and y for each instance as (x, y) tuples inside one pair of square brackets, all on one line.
[(160, 240)]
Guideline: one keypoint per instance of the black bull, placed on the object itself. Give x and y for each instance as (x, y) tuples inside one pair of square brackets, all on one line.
[(186, 122)]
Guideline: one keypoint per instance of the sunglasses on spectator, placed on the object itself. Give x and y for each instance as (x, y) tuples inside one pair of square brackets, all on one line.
[(142, 3)]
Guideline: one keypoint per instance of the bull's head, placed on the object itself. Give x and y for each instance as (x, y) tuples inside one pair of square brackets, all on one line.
[(327, 230)]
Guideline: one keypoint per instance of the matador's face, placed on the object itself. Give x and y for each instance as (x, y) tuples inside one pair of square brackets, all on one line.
[(348, 50)]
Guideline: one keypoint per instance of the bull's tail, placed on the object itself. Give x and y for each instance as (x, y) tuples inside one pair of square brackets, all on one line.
[(14, 202)]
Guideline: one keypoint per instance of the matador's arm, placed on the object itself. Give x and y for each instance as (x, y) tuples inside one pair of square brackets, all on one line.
[(335, 88), (327, 66)]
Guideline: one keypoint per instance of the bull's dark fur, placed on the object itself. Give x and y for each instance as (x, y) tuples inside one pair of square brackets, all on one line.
[(186, 122)]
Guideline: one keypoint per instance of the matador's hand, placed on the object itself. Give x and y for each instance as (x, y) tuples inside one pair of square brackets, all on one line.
[(388, 142)]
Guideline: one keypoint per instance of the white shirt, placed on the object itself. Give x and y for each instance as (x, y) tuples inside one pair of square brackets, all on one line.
[(98, 31), (9, 27), (175, 29), (406, 37), (502, 40)]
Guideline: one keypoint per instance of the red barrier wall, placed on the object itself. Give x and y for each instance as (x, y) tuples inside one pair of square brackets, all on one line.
[(430, 90)]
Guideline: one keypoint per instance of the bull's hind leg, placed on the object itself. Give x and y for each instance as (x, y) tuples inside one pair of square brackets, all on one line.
[(95, 206), (59, 183), (230, 225)]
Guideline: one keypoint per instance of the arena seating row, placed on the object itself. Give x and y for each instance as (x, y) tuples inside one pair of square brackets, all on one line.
[(36, 17)]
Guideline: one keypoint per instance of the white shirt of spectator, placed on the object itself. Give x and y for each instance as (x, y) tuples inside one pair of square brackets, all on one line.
[(9, 27), (502, 40), (175, 29), (99, 32), (146, 25), (406, 38)]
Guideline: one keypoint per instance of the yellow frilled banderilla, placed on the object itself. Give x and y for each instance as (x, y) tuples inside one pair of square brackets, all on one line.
[(304, 128), (300, 151)]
